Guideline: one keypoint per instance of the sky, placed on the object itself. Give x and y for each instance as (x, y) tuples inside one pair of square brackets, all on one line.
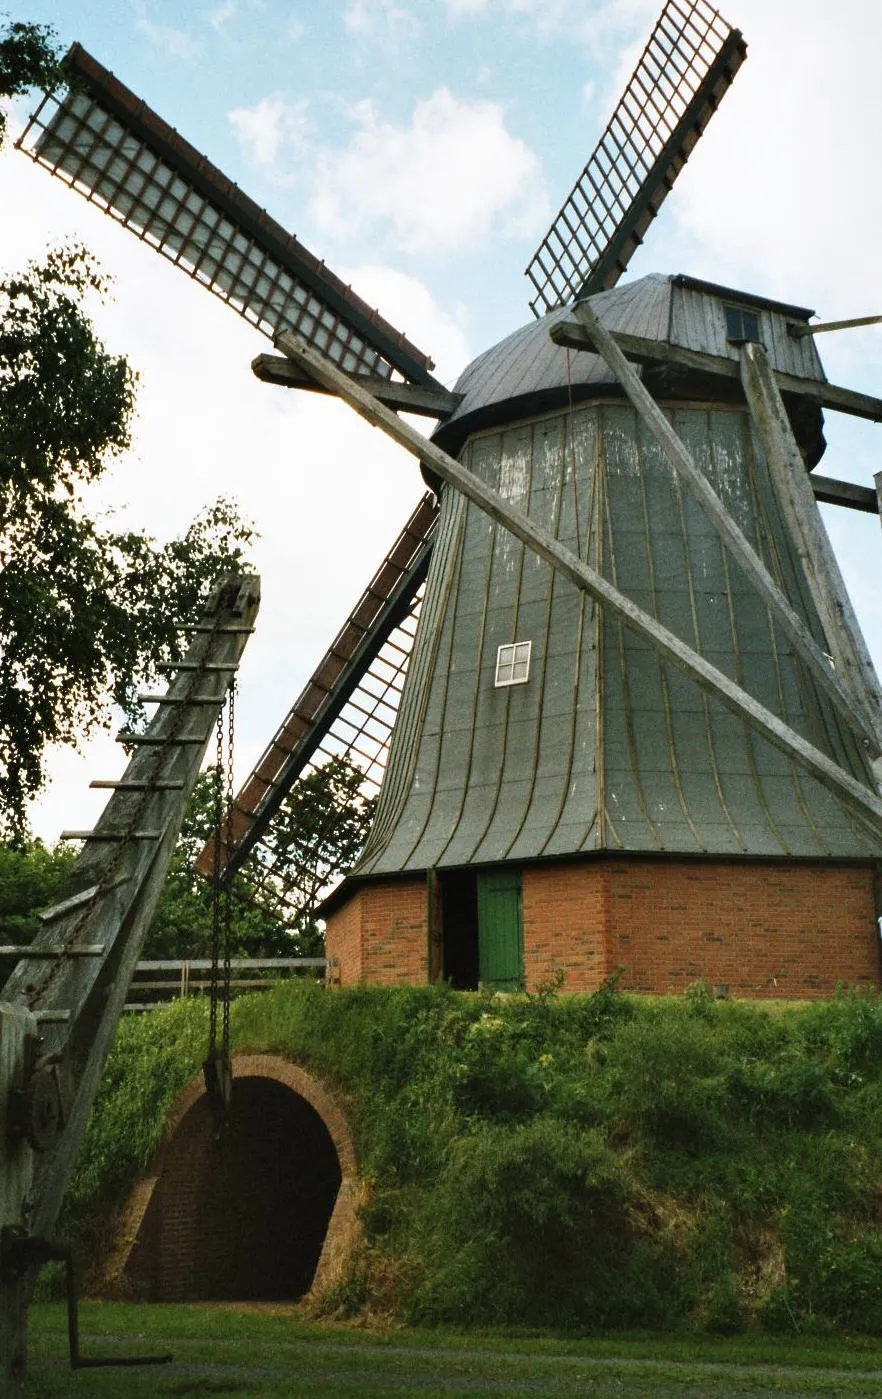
[(421, 147)]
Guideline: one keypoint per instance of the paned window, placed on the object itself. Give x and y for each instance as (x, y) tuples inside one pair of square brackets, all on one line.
[(513, 663), (741, 325)]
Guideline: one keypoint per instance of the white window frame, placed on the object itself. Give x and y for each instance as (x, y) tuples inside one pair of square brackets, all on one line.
[(513, 663)]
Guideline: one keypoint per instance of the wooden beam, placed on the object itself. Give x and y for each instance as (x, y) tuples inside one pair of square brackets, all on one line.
[(823, 326), (852, 793), (796, 499), (877, 480), (738, 546), (577, 335), (406, 398), (832, 492)]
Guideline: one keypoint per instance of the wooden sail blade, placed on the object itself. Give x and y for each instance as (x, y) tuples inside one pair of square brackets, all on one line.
[(347, 709), (686, 68), (108, 145)]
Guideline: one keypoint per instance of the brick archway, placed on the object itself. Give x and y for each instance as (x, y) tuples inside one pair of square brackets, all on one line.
[(271, 1217)]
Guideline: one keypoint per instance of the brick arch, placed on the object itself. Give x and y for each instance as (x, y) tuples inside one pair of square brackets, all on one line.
[(266, 1073)]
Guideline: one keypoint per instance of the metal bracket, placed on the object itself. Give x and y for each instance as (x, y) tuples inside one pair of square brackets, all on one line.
[(21, 1252)]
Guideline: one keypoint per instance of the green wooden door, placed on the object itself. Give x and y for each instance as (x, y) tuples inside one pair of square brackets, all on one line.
[(500, 940)]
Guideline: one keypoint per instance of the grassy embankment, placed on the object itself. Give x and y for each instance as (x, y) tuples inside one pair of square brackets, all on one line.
[(594, 1162)]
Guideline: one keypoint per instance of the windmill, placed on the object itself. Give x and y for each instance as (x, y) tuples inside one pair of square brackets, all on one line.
[(607, 680)]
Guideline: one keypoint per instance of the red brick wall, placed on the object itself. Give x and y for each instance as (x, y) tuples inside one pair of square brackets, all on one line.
[(762, 929), (380, 934), (565, 911)]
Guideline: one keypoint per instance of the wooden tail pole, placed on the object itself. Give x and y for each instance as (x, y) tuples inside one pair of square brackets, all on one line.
[(58, 1011)]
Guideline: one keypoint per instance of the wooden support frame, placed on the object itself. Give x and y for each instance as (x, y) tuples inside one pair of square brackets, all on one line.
[(76, 1000), (830, 491), (857, 797), (578, 335), (422, 399), (728, 531), (796, 498)]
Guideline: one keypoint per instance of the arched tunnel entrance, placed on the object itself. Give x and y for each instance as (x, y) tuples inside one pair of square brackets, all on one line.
[(253, 1219)]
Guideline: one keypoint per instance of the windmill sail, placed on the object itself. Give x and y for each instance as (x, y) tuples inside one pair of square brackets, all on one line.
[(686, 68), (107, 144), (346, 711)]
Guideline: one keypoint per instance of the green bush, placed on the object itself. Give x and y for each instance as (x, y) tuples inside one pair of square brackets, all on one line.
[(589, 1161)]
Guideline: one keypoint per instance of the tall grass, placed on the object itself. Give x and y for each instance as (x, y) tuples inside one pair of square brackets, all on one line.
[(590, 1162)]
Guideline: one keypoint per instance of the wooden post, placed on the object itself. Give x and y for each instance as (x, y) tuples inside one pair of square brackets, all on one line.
[(796, 497), (730, 535), (877, 480), (854, 794), (17, 1027)]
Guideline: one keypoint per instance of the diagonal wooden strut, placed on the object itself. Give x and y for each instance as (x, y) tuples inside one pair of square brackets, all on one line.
[(680, 458), (849, 790), (794, 490)]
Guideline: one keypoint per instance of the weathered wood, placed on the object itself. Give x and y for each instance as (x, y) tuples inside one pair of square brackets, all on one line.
[(833, 492), (407, 398), (851, 792), (796, 497), (823, 326), (77, 1001), (576, 335), (877, 479), (728, 531)]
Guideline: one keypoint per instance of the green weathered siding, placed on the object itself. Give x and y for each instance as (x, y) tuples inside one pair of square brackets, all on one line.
[(606, 746)]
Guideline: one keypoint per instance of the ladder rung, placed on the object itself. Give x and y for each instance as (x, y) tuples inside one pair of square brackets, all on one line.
[(161, 784), (157, 741), (182, 699), (110, 835), (84, 897), (218, 631), (85, 949), (197, 665)]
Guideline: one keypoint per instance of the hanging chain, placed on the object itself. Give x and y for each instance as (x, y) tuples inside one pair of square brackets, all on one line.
[(217, 825), (228, 846)]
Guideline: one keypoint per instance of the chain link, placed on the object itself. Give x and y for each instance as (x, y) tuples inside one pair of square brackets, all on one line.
[(217, 823), (228, 847)]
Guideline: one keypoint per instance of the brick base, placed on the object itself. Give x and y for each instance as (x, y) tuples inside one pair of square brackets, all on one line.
[(380, 935), (761, 928)]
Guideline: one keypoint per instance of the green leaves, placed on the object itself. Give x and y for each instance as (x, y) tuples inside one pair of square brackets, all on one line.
[(28, 58), (86, 615)]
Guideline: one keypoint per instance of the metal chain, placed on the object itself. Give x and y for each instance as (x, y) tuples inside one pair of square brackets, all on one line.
[(217, 824), (228, 846)]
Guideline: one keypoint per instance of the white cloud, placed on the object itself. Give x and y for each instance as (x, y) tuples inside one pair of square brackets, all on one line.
[(273, 132), (219, 18), (327, 492), (369, 18), (294, 29), (174, 42), (408, 305), (446, 181)]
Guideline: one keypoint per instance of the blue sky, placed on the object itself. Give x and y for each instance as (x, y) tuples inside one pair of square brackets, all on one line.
[(421, 147)]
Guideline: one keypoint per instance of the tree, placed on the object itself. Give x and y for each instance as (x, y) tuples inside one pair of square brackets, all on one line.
[(28, 58), (87, 616), (181, 925), (30, 878)]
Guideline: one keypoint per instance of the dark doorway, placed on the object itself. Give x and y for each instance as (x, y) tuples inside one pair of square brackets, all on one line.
[(481, 933), (459, 929), (246, 1221)]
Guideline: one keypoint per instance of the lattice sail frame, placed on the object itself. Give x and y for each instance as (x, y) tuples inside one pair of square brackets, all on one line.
[(110, 147), (361, 733), (347, 709), (685, 69)]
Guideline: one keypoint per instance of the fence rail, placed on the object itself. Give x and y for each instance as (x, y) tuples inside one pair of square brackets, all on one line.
[(176, 976)]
